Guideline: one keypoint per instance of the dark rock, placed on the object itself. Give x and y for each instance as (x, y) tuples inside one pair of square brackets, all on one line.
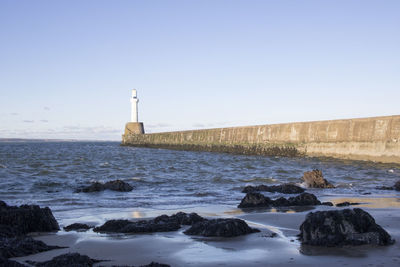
[(397, 186), (22, 246), (385, 187), (315, 179), (342, 227), (70, 259), (182, 218), (255, 200), (161, 223), (116, 185), (284, 188), (77, 227), (305, 199), (252, 200), (25, 219), (7, 263), (220, 228), (327, 204), (345, 204), (7, 231)]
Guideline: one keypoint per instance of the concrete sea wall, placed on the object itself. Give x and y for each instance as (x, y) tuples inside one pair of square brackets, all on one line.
[(375, 139)]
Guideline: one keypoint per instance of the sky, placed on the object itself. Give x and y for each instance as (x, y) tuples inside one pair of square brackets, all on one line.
[(67, 68)]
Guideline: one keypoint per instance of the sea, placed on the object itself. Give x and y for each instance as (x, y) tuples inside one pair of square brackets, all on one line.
[(49, 173)]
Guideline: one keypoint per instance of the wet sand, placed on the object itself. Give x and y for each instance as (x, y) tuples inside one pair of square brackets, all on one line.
[(258, 249)]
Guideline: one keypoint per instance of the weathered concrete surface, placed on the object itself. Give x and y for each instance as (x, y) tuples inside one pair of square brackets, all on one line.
[(376, 139), (134, 128)]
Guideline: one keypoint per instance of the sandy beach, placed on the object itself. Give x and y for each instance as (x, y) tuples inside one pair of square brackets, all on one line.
[(276, 244)]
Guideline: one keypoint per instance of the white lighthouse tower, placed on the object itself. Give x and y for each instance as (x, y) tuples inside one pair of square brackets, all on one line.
[(134, 106), (134, 126)]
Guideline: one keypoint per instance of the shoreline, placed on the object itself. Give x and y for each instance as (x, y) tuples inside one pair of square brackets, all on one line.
[(257, 249)]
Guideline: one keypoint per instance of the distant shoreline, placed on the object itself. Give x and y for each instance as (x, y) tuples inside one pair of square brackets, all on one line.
[(22, 140)]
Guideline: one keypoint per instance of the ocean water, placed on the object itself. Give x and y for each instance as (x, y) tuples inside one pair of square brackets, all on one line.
[(48, 173)]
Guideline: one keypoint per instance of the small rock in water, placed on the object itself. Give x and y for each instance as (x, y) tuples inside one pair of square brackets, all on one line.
[(252, 200), (397, 186), (116, 185), (315, 179), (327, 204), (284, 188), (22, 246), (26, 219), (342, 227), (70, 259), (77, 227), (220, 228), (385, 187), (345, 204)]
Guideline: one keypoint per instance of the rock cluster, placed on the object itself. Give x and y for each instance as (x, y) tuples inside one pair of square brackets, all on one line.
[(220, 228), (116, 185), (342, 227), (161, 223), (199, 225), (253, 200), (284, 188), (315, 179), (15, 223)]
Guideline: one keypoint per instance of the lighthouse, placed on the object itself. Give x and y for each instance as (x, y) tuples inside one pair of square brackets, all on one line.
[(134, 106), (134, 126)]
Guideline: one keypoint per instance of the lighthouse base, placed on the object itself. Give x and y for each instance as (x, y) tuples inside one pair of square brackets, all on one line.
[(134, 128)]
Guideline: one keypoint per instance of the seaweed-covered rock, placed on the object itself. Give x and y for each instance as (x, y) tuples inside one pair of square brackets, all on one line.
[(315, 179), (80, 227), (22, 246), (70, 259), (252, 200), (116, 185), (342, 227), (161, 223), (284, 189), (25, 219), (305, 199), (220, 228)]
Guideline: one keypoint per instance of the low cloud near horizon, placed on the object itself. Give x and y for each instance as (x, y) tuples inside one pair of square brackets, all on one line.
[(67, 132)]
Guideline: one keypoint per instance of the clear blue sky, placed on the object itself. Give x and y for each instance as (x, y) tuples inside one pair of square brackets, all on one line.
[(67, 67)]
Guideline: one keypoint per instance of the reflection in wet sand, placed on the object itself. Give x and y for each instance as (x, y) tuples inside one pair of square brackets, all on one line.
[(375, 203)]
